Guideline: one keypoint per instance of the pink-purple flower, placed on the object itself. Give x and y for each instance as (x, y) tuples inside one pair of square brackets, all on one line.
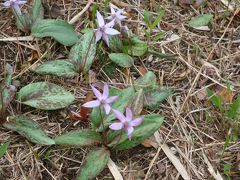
[(125, 122), (104, 30), (117, 16), (14, 4), (102, 99)]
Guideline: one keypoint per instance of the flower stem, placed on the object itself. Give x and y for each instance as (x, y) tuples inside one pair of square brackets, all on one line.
[(104, 133)]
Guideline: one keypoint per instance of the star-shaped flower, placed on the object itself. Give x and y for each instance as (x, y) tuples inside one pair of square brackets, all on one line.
[(117, 16), (126, 122), (104, 30), (14, 4), (102, 99)]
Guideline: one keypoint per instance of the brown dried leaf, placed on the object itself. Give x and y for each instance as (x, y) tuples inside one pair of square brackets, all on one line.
[(226, 95)]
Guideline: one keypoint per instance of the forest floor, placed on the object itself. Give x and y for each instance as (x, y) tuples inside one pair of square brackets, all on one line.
[(194, 130)]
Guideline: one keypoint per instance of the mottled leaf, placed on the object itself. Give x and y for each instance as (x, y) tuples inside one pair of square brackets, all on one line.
[(136, 102), (146, 81), (45, 95), (154, 96), (115, 43), (58, 29), (23, 21), (61, 68), (136, 47), (94, 163), (119, 139), (29, 129), (121, 59), (83, 52), (6, 92), (3, 149), (80, 138)]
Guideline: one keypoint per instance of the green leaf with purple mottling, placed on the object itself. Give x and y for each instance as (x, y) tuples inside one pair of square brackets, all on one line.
[(45, 95)]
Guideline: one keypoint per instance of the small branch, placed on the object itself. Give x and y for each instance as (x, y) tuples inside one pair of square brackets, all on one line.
[(23, 38), (114, 170), (75, 18)]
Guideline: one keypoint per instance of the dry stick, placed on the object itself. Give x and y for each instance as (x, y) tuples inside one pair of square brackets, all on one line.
[(114, 170), (188, 95), (21, 38), (75, 18)]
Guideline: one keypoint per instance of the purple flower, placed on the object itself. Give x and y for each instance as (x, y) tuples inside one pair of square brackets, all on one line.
[(104, 30), (127, 123), (14, 4), (117, 16), (102, 99)]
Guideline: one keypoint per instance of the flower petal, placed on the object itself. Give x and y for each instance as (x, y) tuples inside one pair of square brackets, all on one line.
[(119, 115), (109, 18), (98, 35), (100, 20), (107, 108), (111, 31), (105, 91), (136, 122), (112, 10), (128, 114), (91, 104), (111, 99), (96, 93), (110, 24), (105, 38), (129, 131), (21, 2), (116, 126)]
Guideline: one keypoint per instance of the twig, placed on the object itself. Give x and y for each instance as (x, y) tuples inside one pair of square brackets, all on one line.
[(114, 170), (23, 38), (75, 18)]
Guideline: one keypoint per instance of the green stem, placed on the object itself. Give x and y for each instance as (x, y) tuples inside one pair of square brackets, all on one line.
[(102, 123)]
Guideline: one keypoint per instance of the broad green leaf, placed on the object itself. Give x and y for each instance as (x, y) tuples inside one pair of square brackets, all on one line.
[(136, 47), (94, 163), (29, 129), (202, 20), (115, 43), (119, 139), (146, 81), (154, 96), (3, 149), (124, 97), (61, 68), (45, 95), (80, 138), (121, 59), (58, 29), (37, 11), (83, 52)]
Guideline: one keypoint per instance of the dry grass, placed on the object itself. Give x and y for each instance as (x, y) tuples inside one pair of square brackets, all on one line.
[(195, 141)]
